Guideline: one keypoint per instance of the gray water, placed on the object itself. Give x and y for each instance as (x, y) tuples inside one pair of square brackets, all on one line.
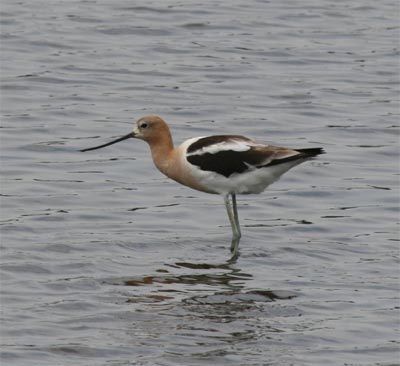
[(107, 262)]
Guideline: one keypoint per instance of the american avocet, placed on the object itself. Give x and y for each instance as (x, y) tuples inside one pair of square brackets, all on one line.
[(222, 164)]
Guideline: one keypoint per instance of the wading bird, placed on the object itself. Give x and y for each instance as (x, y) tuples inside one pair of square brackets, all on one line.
[(221, 164)]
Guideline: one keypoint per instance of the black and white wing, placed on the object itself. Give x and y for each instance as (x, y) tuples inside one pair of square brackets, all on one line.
[(230, 154)]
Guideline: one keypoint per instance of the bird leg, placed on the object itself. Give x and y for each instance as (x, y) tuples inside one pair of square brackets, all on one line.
[(235, 213), (231, 209)]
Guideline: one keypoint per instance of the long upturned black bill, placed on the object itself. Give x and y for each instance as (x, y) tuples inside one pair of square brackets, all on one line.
[(128, 136)]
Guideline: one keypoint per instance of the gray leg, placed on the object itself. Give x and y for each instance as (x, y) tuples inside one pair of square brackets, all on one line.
[(235, 212), (231, 209)]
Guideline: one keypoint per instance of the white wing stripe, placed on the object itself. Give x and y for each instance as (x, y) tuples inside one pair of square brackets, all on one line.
[(223, 146)]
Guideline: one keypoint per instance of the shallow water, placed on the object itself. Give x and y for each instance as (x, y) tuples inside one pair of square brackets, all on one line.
[(106, 262)]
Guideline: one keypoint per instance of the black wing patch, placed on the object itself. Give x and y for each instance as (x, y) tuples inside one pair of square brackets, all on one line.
[(229, 162)]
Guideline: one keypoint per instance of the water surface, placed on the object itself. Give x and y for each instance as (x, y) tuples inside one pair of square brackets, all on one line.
[(106, 262)]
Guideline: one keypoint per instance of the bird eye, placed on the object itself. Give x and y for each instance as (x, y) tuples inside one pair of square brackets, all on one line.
[(144, 125)]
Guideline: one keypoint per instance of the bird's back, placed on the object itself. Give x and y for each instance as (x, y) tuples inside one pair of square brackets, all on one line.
[(236, 164)]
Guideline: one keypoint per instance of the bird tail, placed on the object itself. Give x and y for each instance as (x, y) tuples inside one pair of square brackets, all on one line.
[(311, 152)]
